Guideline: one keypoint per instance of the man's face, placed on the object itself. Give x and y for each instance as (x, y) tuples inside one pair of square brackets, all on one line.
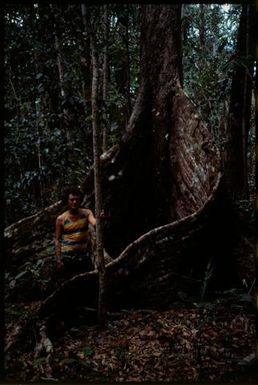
[(74, 202)]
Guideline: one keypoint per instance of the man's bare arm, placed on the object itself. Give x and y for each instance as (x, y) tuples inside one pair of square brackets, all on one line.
[(91, 218)]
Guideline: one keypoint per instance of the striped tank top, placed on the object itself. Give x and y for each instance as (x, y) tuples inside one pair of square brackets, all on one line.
[(75, 235)]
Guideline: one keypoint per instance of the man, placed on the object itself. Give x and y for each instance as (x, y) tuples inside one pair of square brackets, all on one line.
[(72, 238)]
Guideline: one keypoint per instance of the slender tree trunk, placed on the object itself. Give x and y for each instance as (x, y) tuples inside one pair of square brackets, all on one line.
[(17, 99), (128, 78), (184, 28), (202, 27), (97, 173), (105, 80), (66, 116), (38, 184), (86, 67), (62, 90), (18, 112), (40, 109)]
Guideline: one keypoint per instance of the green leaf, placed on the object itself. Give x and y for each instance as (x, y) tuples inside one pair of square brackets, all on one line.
[(87, 350), (68, 360), (85, 363), (40, 360), (21, 274), (39, 75)]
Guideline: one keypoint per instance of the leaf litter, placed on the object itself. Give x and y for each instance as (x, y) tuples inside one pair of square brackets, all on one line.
[(197, 343)]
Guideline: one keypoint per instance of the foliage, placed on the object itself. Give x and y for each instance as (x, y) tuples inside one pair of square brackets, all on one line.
[(48, 87), (48, 114), (33, 279), (210, 34)]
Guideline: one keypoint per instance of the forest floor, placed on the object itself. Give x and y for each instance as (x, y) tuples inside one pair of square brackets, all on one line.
[(212, 341), (209, 341)]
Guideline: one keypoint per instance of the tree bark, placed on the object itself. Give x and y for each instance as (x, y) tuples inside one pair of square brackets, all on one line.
[(240, 105), (97, 174), (105, 80), (202, 36), (128, 77), (98, 192), (157, 144), (66, 118)]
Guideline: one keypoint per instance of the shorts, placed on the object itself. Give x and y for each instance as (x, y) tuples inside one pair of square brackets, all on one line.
[(76, 264)]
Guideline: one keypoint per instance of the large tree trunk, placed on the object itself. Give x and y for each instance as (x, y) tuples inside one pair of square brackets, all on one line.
[(164, 167), (240, 105), (163, 196)]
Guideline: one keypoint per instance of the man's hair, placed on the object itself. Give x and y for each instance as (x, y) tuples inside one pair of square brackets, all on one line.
[(72, 190)]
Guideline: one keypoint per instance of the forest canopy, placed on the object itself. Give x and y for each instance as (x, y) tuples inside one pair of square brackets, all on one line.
[(48, 71)]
